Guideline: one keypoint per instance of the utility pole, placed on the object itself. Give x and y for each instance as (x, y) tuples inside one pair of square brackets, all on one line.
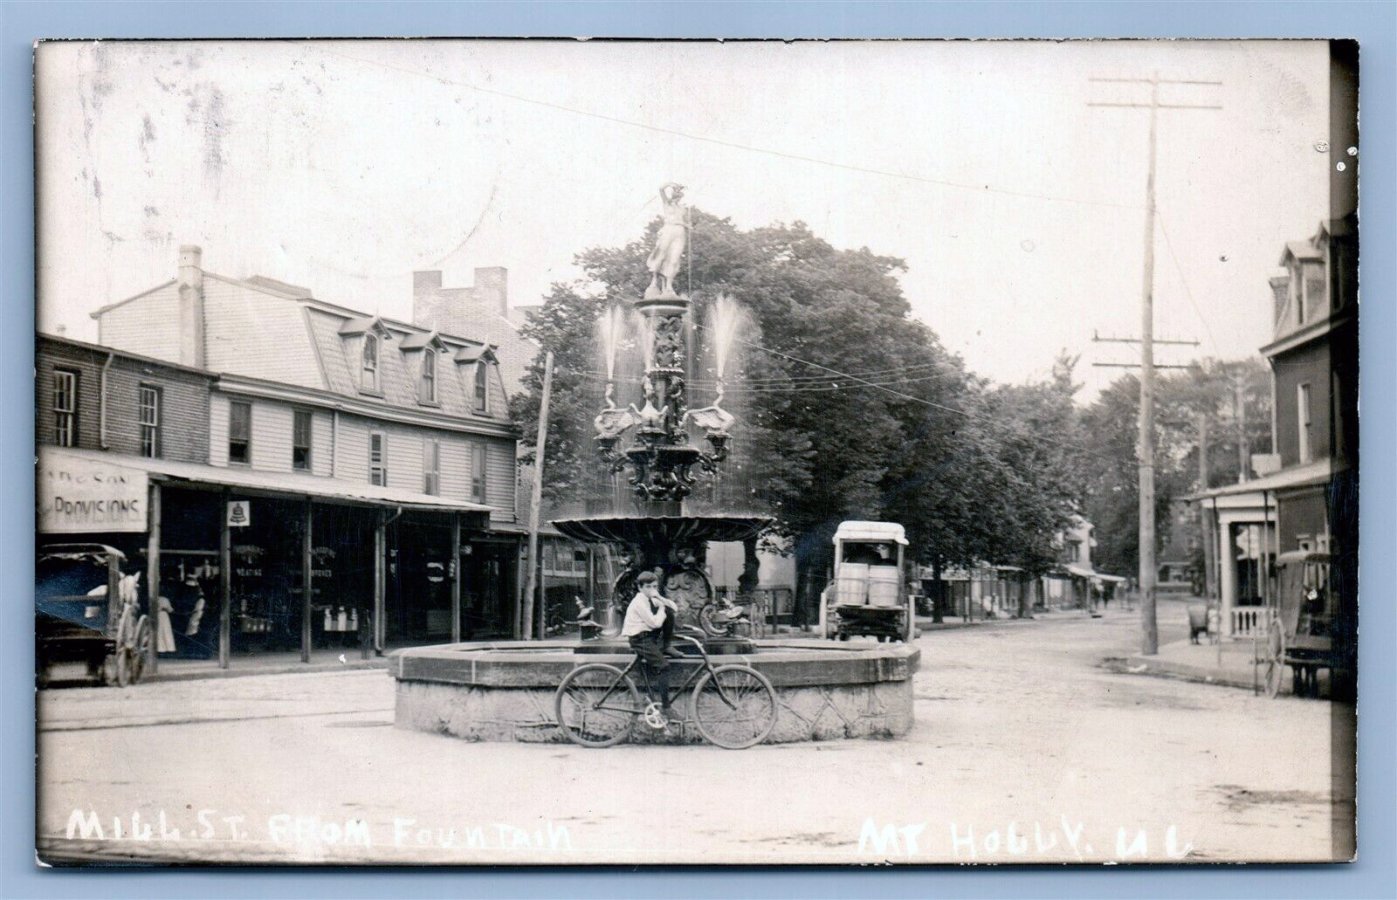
[(1148, 572), (1209, 564), (536, 504), (1243, 451)]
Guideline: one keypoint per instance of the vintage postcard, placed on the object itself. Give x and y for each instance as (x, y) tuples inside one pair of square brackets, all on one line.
[(570, 452)]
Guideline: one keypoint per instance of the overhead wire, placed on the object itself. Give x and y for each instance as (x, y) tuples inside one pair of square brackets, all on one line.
[(990, 420), (1183, 279), (751, 148), (906, 176)]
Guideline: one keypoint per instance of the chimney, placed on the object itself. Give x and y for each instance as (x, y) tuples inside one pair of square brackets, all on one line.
[(460, 311), (429, 309), (1280, 288), (492, 289), (191, 306), (425, 282)]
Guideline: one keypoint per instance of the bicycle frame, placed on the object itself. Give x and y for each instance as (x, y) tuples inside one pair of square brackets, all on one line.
[(705, 666)]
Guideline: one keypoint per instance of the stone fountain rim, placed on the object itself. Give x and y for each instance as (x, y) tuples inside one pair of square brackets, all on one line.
[(520, 664)]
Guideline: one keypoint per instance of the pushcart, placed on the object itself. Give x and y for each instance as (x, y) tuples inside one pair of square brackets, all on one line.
[(87, 611), (1300, 630)]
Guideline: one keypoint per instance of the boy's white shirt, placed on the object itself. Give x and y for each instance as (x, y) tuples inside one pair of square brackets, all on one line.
[(641, 616)]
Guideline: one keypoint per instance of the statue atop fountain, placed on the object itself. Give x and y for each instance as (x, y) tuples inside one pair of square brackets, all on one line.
[(670, 242)]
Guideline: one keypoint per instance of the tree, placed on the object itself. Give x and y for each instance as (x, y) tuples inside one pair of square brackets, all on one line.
[(1207, 388)]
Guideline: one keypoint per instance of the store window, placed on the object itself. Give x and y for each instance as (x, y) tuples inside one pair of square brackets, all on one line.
[(378, 459), (431, 466), (478, 473), (369, 378), (65, 407), (427, 391), (300, 441), (240, 432), (482, 386), (150, 421)]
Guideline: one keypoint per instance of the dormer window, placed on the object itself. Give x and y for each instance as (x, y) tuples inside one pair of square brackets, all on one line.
[(480, 358), (369, 375), (427, 391), (422, 350), (481, 392), (366, 334)]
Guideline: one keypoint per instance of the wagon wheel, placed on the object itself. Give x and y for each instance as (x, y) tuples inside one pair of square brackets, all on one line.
[(1275, 659), (139, 649), (117, 669)]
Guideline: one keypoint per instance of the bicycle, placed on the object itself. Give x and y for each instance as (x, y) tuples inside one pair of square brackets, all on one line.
[(734, 706)]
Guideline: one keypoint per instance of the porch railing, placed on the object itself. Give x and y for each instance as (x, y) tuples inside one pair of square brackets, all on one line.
[(1248, 621)]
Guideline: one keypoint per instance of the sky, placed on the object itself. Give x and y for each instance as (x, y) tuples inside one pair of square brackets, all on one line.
[(344, 166)]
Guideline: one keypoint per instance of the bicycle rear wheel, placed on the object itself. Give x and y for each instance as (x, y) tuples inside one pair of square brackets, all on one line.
[(734, 707), (596, 704)]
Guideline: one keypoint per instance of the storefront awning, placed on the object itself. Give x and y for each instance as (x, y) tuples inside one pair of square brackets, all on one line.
[(1313, 473), (329, 490), (1081, 571), (1116, 578)]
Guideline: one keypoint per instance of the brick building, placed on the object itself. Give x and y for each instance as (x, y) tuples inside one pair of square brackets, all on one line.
[(369, 458)]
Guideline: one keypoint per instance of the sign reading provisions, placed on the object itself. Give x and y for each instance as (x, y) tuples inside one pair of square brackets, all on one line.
[(239, 513), (82, 496)]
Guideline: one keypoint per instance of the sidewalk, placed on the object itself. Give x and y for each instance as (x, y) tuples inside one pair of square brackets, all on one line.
[(328, 660), (1227, 662)]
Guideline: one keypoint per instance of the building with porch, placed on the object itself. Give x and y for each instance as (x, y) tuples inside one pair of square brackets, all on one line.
[(283, 440), (1310, 503)]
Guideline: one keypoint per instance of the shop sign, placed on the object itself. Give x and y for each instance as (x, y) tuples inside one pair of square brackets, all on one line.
[(321, 558), (239, 513), (82, 496)]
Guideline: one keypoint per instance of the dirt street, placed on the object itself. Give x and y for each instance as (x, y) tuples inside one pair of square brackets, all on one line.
[(1025, 750)]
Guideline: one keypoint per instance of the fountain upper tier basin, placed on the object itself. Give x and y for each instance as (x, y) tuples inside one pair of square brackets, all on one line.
[(667, 530)]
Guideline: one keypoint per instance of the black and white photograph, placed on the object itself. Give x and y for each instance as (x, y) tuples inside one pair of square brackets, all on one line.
[(572, 452)]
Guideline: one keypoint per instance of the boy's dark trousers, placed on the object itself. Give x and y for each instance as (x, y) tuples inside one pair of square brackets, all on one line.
[(650, 646)]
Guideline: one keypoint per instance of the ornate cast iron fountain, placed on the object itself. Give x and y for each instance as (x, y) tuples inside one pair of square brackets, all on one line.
[(474, 690)]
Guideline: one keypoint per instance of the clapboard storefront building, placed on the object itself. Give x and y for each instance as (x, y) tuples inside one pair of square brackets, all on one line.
[(262, 439)]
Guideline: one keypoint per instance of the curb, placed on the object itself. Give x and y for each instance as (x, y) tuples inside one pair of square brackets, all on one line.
[(1182, 671), (279, 669)]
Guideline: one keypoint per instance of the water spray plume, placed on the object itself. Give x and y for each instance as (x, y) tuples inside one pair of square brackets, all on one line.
[(726, 315), (612, 326)]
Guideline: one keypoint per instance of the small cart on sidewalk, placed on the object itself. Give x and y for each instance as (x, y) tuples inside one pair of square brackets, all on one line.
[(86, 611), (1300, 632)]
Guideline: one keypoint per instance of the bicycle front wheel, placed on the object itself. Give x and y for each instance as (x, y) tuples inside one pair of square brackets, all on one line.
[(596, 704), (734, 707)]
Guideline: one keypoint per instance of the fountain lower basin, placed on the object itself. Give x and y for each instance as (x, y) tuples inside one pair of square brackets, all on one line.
[(503, 690)]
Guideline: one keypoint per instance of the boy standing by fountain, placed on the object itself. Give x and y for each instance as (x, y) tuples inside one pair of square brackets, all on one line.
[(649, 627)]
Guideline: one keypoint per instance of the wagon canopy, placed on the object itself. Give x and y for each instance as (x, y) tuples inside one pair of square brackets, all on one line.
[(871, 531)]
